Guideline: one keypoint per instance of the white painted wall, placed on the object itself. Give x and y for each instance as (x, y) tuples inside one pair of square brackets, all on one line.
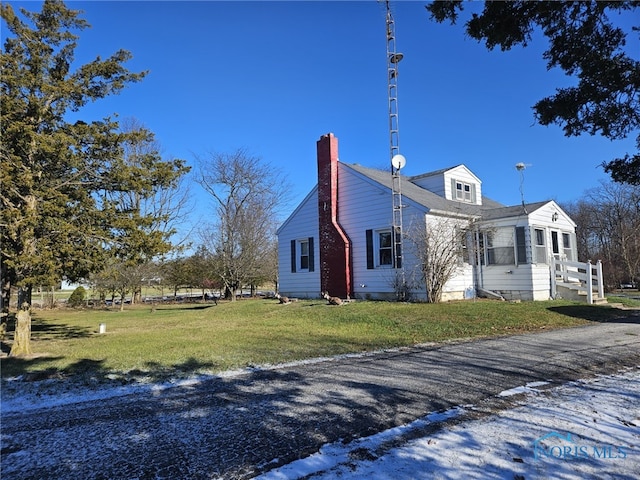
[(440, 183), (530, 281), (543, 219), (456, 288), (364, 205), (463, 174), (367, 205), (526, 282), (302, 224), (433, 183)]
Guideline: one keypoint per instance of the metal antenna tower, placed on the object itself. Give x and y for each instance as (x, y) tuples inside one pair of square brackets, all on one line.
[(397, 161)]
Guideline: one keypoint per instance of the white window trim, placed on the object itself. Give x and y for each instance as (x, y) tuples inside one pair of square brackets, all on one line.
[(377, 247), (536, 246), (572, 252), (513, 247), (463, 192), (299, 255)]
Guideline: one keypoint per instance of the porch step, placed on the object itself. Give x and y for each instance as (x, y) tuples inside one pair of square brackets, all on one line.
[(572, 280), (577, 292), (572, 286)]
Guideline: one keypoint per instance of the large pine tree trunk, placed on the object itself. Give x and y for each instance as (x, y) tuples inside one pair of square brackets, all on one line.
[(22, 337)]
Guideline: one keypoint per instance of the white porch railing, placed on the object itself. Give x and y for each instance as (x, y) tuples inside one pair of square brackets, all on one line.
[(577, 275)]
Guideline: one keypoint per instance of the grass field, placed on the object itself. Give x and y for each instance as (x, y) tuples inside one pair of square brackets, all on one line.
[(182, 339)]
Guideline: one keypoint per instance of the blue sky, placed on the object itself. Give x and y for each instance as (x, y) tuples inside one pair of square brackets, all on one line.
[(272, 77)]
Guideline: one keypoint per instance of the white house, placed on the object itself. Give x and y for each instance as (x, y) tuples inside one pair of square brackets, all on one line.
[(339, 238)]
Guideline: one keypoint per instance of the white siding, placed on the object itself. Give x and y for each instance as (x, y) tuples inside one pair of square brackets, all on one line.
[(513, 282), (551, 218), (508, 280), (301, 225), (530, 281), (462, 174), (541, 282), (433, 183), (462, 279), (440, 183), (456, 288), (526, 282), (366, 205), (544, 216)]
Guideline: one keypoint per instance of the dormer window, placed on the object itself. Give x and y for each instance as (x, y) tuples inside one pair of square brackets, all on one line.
[(458, 184), (464, 192)]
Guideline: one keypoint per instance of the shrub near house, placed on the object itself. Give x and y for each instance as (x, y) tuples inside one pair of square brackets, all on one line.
[(77, 297)]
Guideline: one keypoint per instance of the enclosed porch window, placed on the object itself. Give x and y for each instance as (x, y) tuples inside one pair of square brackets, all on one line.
[(540, 248), (499, 246)]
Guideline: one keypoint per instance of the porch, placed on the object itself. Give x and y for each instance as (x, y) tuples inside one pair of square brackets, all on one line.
[(577, 281)]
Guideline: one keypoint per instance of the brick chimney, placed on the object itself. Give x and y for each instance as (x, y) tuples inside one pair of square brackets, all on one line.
[(335, 246)]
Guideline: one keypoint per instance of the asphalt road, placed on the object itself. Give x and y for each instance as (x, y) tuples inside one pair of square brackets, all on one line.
[(242, 426)]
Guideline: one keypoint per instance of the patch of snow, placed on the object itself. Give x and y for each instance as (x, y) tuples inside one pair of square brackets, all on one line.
[(336, 454), (528, 388), (584, 429), (26, 396)]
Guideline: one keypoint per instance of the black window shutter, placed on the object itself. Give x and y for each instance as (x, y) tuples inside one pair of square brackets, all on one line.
[(369, 234), (311, 257), (521, 248), (293, 256)]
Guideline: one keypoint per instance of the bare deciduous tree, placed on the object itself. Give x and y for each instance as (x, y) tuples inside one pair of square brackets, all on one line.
[(608, 227), (438, 244), (247, 194)]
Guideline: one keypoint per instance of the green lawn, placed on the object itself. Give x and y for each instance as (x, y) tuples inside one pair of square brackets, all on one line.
[(177, 340)]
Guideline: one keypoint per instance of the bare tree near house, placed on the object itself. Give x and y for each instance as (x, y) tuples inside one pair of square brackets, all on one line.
[(608, 228), (247, 194), (269, 273), (438, 246)]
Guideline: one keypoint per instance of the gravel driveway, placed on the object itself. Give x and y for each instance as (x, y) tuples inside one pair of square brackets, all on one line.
[(240, 426)]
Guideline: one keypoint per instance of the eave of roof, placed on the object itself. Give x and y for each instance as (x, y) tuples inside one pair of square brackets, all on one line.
[(426, 198), (512, 211)]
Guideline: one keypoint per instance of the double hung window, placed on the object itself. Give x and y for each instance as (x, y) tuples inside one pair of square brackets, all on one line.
[(463, 192), (540, 246), (385, 249), (302, 255)]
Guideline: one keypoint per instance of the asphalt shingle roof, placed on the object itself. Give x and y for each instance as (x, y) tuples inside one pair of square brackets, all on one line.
[(489, 210)]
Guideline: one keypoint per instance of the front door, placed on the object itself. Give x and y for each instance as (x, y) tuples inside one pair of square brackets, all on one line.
[(555, 244)]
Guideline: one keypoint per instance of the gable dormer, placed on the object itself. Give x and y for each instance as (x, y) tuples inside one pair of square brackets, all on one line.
[(457, 183)]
